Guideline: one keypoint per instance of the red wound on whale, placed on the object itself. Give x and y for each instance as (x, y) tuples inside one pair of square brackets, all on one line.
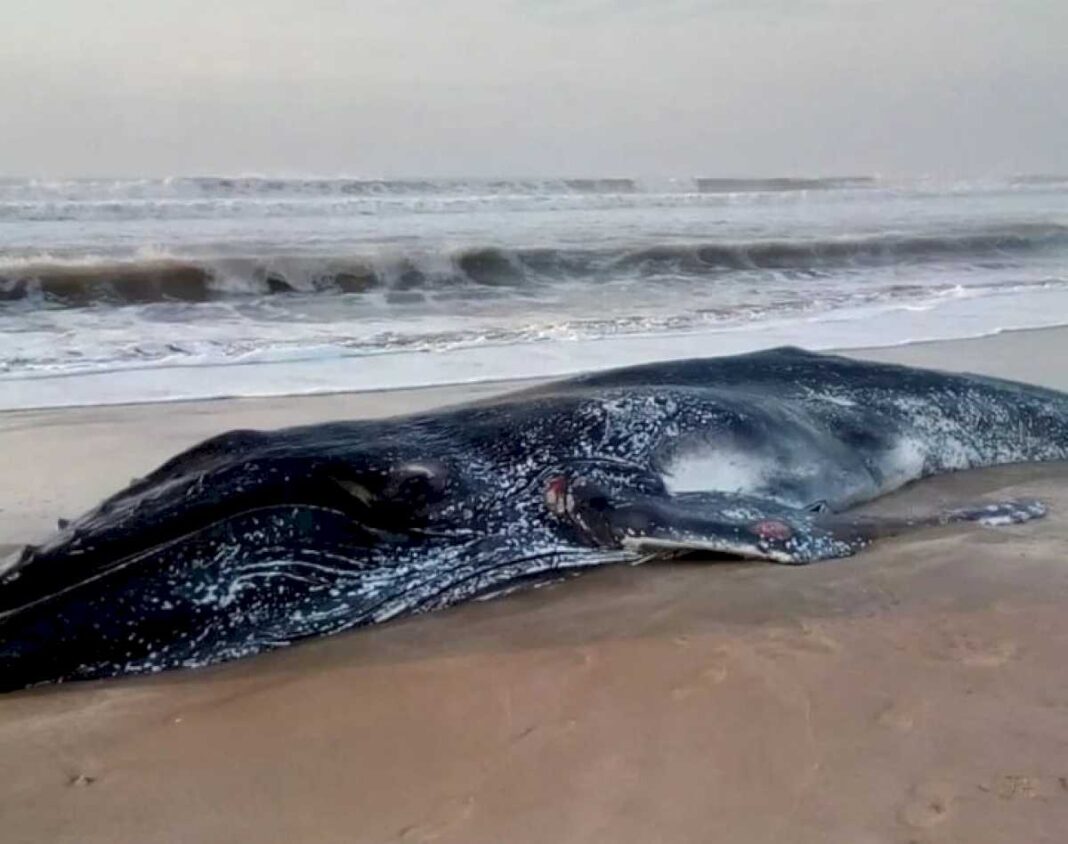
[(772, 529), (556, 495)]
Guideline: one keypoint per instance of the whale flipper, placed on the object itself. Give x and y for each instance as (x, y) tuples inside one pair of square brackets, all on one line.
[(991, 514)]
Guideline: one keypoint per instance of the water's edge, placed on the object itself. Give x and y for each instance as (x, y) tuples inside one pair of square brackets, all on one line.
[(952, 320)]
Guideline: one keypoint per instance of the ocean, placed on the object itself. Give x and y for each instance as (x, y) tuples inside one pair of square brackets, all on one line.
[(124, 290)]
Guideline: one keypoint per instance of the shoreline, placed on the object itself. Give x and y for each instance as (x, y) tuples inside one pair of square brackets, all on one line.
[(903, 352), (328, 371)]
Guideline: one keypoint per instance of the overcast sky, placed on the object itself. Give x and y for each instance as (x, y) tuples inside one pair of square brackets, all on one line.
[(533, 87)]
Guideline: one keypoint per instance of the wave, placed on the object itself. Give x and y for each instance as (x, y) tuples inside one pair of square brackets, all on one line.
[(216, 186), (263, 187), (1041, 179), (244, 208), (717, 185), (252, 188), (248, 198), (102, 281), (195, 187)]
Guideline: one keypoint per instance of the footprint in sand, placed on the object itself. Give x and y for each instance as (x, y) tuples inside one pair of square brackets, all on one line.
[(806, 639), (1020, 786), (712, 674), (816, 639), (929, 805), (976, 652), (898, 716), (1012, 786), (447, 819)]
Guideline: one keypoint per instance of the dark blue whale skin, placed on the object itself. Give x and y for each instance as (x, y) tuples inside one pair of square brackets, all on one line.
[(253, 540)]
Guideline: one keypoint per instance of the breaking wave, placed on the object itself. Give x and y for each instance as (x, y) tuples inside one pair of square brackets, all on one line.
[(258, 186), (718, 185), (254, 197), (88, 281)]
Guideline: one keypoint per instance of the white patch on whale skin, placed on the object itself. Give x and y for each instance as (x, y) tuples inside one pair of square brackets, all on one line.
[(838, 400), (904, 463), (717, 470), (828, 398)]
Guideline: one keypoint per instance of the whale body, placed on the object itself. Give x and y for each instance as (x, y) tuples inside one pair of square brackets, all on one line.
[(254, 540)]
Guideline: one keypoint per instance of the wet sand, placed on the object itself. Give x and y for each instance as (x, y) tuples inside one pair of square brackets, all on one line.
[(914, 693)]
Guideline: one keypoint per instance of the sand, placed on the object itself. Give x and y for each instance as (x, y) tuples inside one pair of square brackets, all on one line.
[(915, 693)]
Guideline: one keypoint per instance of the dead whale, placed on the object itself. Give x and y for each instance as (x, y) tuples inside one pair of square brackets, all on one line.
[(254, 540)]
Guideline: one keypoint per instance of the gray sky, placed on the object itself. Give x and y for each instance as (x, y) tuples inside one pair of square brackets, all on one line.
[(533, 87)]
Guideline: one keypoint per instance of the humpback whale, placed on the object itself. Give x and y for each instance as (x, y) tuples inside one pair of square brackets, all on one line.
[(254, 540)]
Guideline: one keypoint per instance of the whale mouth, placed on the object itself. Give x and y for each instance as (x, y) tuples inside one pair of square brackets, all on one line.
[(720, 548), (651, 522)]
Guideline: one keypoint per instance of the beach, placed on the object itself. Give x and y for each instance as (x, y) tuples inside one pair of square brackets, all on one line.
[(913, 693)]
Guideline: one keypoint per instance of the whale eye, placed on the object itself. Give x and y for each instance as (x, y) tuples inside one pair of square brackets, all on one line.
[(415, 483), (591, 495)]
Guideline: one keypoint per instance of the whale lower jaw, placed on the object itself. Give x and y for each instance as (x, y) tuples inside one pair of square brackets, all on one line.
[(659, 547)]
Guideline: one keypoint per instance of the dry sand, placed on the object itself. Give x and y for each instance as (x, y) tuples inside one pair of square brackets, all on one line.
[(915, 693)]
